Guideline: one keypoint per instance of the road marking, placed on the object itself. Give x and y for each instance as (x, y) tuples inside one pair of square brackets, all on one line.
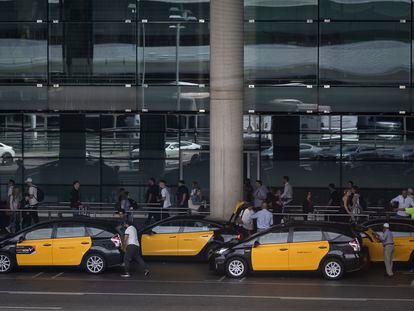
[(39, 274), (242, 279), (222, 278), (353, 299), (57, 275), (28, 308)]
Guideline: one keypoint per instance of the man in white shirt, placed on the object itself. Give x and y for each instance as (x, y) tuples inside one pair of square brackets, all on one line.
[(131, 248), (264, 218), (246, 220), (33, 202), (404, 201), (260, 194), (165, 197), (287, 195)]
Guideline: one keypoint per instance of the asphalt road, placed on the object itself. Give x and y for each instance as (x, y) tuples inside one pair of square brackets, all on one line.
[(191, 286)]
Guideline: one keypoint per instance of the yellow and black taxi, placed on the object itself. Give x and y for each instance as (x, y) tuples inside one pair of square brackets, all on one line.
[(403, 232), (76, 242), (331, 248), (186, 237)]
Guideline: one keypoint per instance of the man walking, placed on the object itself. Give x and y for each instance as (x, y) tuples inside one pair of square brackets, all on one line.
[(264, 218), (151, 198), (387, 240), (182, 196), (287, 195), (165, 198), (33, 201), (131, 248)]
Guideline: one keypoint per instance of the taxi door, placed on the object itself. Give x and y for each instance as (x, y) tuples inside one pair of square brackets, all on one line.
[(307, 249), (375, 248), (403, 241), (271, 251), (36, 248), (194, 237), (161, 240), (70, 244)]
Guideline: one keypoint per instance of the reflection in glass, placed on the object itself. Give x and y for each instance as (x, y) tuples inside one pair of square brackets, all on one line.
[(92, 53), (280, 53), (23, 52), (18, 10), (174, 53), (365, 10), (281, 9), (174, 10), (362, 53), (93, 10)]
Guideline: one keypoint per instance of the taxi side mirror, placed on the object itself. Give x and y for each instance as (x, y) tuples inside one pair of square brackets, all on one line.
[(256, 244)]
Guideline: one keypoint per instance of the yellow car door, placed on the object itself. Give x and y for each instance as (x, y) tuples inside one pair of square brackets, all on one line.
[(70, 244), (270, 251), (35, 248), (403, 241), (161, 240), (307, 249), (194, 237)]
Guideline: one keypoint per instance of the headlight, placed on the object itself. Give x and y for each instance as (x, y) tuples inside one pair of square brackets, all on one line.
[(221, 251)]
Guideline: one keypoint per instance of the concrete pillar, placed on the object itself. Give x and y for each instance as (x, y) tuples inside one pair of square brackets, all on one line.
[(226, 106)]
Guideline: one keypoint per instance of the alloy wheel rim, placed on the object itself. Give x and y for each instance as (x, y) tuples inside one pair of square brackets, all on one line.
[(4, 263), (95, 264), (236, 267), (333, 269)]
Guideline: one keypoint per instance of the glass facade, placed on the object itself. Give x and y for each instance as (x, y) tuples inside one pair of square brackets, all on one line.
[(114, 92)]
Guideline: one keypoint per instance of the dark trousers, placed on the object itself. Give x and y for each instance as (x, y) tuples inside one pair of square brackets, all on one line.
[(132, 253), (156, 215), (34, 216)]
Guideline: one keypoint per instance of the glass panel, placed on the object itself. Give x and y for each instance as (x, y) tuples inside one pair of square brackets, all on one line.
[(93, 53), (96, 10), (164, 98), (281, 53), (172, 53), (274, 238), (365, 53), (18, 10), (55, 171), (95, 98), (174, 10), (365, 10), (23, 52), (281, 9), (286, 99), (197, 226), (23, 97), (169, 227), (10, 146), (367, 99)]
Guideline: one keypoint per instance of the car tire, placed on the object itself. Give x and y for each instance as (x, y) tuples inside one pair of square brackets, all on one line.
[(6, 263), (332, 269), (236, 267), (209, 252), (94, 263), (6, 159)]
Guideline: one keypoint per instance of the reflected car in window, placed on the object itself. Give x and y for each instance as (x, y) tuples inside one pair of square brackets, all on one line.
[(186, 237), (85, 243), (405, 152), (7, 154), (306, 152), (330, 248)]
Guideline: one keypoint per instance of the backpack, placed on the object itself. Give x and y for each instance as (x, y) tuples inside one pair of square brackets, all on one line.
[(40, 195), (133, 203)]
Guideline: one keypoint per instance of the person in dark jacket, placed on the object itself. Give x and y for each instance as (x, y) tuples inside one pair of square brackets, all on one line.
[(75, 198), (308, 207)]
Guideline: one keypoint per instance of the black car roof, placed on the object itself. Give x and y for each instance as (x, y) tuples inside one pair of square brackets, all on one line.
[(86, 221), (189, 217)]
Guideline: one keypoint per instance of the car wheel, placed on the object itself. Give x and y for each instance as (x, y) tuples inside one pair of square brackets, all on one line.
[(6, 159), (332, 269), (236, 267), (210, 251), (6, 263), (95, 263)]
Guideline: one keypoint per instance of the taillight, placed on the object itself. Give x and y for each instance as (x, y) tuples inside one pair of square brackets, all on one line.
[(355, 245), (116, 239), (239, 237)]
